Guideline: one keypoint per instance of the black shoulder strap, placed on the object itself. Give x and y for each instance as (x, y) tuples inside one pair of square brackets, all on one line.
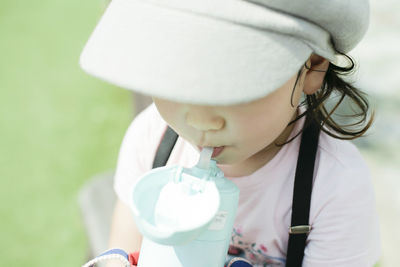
[(302, 194), (164, 150)]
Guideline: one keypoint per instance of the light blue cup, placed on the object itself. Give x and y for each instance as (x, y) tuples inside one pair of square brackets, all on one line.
[(204, 243), (146, 193)]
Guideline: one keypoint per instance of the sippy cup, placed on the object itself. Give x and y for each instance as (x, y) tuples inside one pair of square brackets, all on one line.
[(185, 215)]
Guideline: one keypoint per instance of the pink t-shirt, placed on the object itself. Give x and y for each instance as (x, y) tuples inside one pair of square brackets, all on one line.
[(342, 213)]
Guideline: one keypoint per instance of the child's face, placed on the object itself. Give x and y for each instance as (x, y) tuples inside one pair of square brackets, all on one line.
[(245, 131)]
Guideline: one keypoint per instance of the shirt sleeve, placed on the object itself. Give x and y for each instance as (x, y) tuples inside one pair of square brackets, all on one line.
[(344, 220), (137, 151)]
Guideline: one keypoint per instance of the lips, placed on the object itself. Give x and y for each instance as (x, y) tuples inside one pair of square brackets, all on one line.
[(217, 151)]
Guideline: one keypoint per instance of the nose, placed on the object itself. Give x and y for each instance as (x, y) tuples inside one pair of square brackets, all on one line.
[(204, 119)]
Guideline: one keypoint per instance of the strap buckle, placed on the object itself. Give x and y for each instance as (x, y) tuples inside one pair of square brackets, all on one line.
[(300, 229)]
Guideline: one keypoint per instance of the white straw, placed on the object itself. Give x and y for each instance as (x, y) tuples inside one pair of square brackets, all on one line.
[(205, 157)]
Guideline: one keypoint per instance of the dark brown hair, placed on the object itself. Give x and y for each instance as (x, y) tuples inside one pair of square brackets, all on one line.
[(356, 122)]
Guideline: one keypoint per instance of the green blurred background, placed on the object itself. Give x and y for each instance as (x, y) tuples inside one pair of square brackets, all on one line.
[(59, 127)]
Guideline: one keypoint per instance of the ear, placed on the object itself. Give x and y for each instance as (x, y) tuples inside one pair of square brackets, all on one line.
[(315, 74)]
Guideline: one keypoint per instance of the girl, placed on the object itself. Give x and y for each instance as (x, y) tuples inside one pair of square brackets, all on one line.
[(241, 76)]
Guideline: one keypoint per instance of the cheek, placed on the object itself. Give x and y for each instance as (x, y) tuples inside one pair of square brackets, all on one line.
[(252, 120), (169, 111), (260, 125), (259, 130)]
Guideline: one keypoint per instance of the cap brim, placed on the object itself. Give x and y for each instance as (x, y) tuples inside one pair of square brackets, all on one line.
[(186, 57)]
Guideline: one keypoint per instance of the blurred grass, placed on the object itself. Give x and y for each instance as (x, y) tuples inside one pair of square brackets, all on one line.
[(58, 127)]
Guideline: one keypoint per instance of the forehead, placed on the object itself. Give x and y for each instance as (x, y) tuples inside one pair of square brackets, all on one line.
[(272, 103), (277, 94)]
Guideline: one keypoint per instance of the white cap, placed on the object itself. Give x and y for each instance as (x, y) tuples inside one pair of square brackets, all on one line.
[(217, 52)]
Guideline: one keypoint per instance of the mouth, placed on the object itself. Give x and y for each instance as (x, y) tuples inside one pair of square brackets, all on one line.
[(216, 150)]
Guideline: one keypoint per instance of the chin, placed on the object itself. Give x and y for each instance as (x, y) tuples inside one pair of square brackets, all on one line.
[(227, 159)]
